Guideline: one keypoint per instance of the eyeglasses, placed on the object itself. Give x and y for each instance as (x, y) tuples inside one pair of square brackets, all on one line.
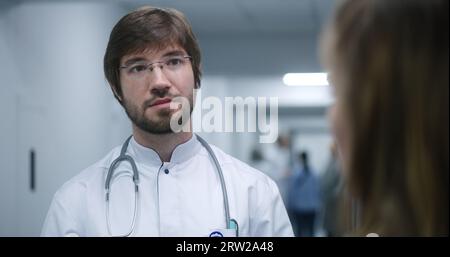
[(138, 70)]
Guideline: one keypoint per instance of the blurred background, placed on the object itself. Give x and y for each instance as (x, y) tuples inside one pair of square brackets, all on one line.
[(58, 115)]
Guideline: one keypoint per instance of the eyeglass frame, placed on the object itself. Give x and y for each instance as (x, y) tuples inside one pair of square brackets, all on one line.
[(161, 62)]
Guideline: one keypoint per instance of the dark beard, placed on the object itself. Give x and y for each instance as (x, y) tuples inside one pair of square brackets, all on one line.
[(162, 126)]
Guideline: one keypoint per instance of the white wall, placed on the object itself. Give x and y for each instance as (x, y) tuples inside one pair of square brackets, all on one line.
[(52, 62), (8, 113)]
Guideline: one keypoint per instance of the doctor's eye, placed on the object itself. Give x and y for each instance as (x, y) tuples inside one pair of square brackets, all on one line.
[(174, 61), (137, 68)]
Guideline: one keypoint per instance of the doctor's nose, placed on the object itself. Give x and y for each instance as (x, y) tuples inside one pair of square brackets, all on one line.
[(159, 83)]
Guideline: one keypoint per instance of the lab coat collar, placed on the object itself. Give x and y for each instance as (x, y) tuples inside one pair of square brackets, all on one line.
[(148, 156)]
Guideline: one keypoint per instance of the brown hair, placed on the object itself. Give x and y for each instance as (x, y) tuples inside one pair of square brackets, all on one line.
[(145, 28), (389, 61)]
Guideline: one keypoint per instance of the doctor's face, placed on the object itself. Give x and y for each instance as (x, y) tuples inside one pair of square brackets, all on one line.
[(149, 81)]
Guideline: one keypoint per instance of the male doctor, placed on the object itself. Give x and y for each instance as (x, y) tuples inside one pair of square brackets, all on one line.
[(161, 182)]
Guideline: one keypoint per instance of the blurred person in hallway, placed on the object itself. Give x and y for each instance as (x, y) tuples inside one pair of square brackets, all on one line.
[(279, 157), (259, 162), (303, 198), (388, 62)]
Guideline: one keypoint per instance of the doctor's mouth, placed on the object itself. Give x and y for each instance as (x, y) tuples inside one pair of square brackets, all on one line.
[(161, 103)]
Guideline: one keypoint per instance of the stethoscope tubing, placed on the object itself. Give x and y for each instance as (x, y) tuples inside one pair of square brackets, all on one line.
[(124, 157)]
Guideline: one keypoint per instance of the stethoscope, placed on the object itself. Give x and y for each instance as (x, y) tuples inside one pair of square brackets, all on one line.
[(123, 157)]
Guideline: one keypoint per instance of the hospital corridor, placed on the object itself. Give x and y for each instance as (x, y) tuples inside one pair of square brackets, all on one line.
[(264, 144)]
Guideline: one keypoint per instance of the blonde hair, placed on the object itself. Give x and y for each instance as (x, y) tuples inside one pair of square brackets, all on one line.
[(389, 63)]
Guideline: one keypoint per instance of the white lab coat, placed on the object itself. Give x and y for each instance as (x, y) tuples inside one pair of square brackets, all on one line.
[(187, 201)]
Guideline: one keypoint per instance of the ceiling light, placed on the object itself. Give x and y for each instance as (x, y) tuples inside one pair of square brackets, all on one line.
[(305, 79)]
